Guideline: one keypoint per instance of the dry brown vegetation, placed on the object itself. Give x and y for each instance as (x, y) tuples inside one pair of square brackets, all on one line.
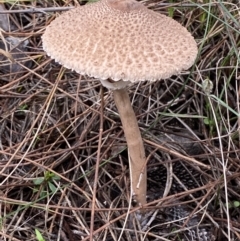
[(57, 128)]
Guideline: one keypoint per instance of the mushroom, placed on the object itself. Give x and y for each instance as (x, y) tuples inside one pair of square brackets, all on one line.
[(121, 42)]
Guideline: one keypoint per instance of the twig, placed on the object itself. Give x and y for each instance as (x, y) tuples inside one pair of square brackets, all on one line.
[(97, 169), (37, 10)]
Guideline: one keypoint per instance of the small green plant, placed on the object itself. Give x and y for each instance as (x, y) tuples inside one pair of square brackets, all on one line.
[(209, 120), (23, 107), (207, 87), (39, 235), (171, 11), (234, 204), (91, 1), (46, 183)]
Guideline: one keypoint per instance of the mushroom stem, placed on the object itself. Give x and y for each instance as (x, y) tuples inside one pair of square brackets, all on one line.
[(135, 145)]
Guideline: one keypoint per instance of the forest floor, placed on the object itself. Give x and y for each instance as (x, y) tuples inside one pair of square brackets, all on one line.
[(50, 129)]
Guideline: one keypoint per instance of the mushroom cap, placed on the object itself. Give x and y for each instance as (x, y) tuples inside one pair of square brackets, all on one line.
[(119, 40)]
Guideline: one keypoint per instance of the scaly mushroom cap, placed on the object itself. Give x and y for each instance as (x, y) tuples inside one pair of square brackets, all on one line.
[(120, 40)]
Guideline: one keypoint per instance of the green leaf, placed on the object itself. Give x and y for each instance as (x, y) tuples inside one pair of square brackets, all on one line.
[(236, 204), (43, 193), (52, 187), (48, 175), (56, 178), (92, 1), (39, 235), (38, 181), (206, 121)]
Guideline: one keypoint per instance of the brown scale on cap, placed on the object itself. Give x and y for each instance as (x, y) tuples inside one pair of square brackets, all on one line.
[(120, 40)]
